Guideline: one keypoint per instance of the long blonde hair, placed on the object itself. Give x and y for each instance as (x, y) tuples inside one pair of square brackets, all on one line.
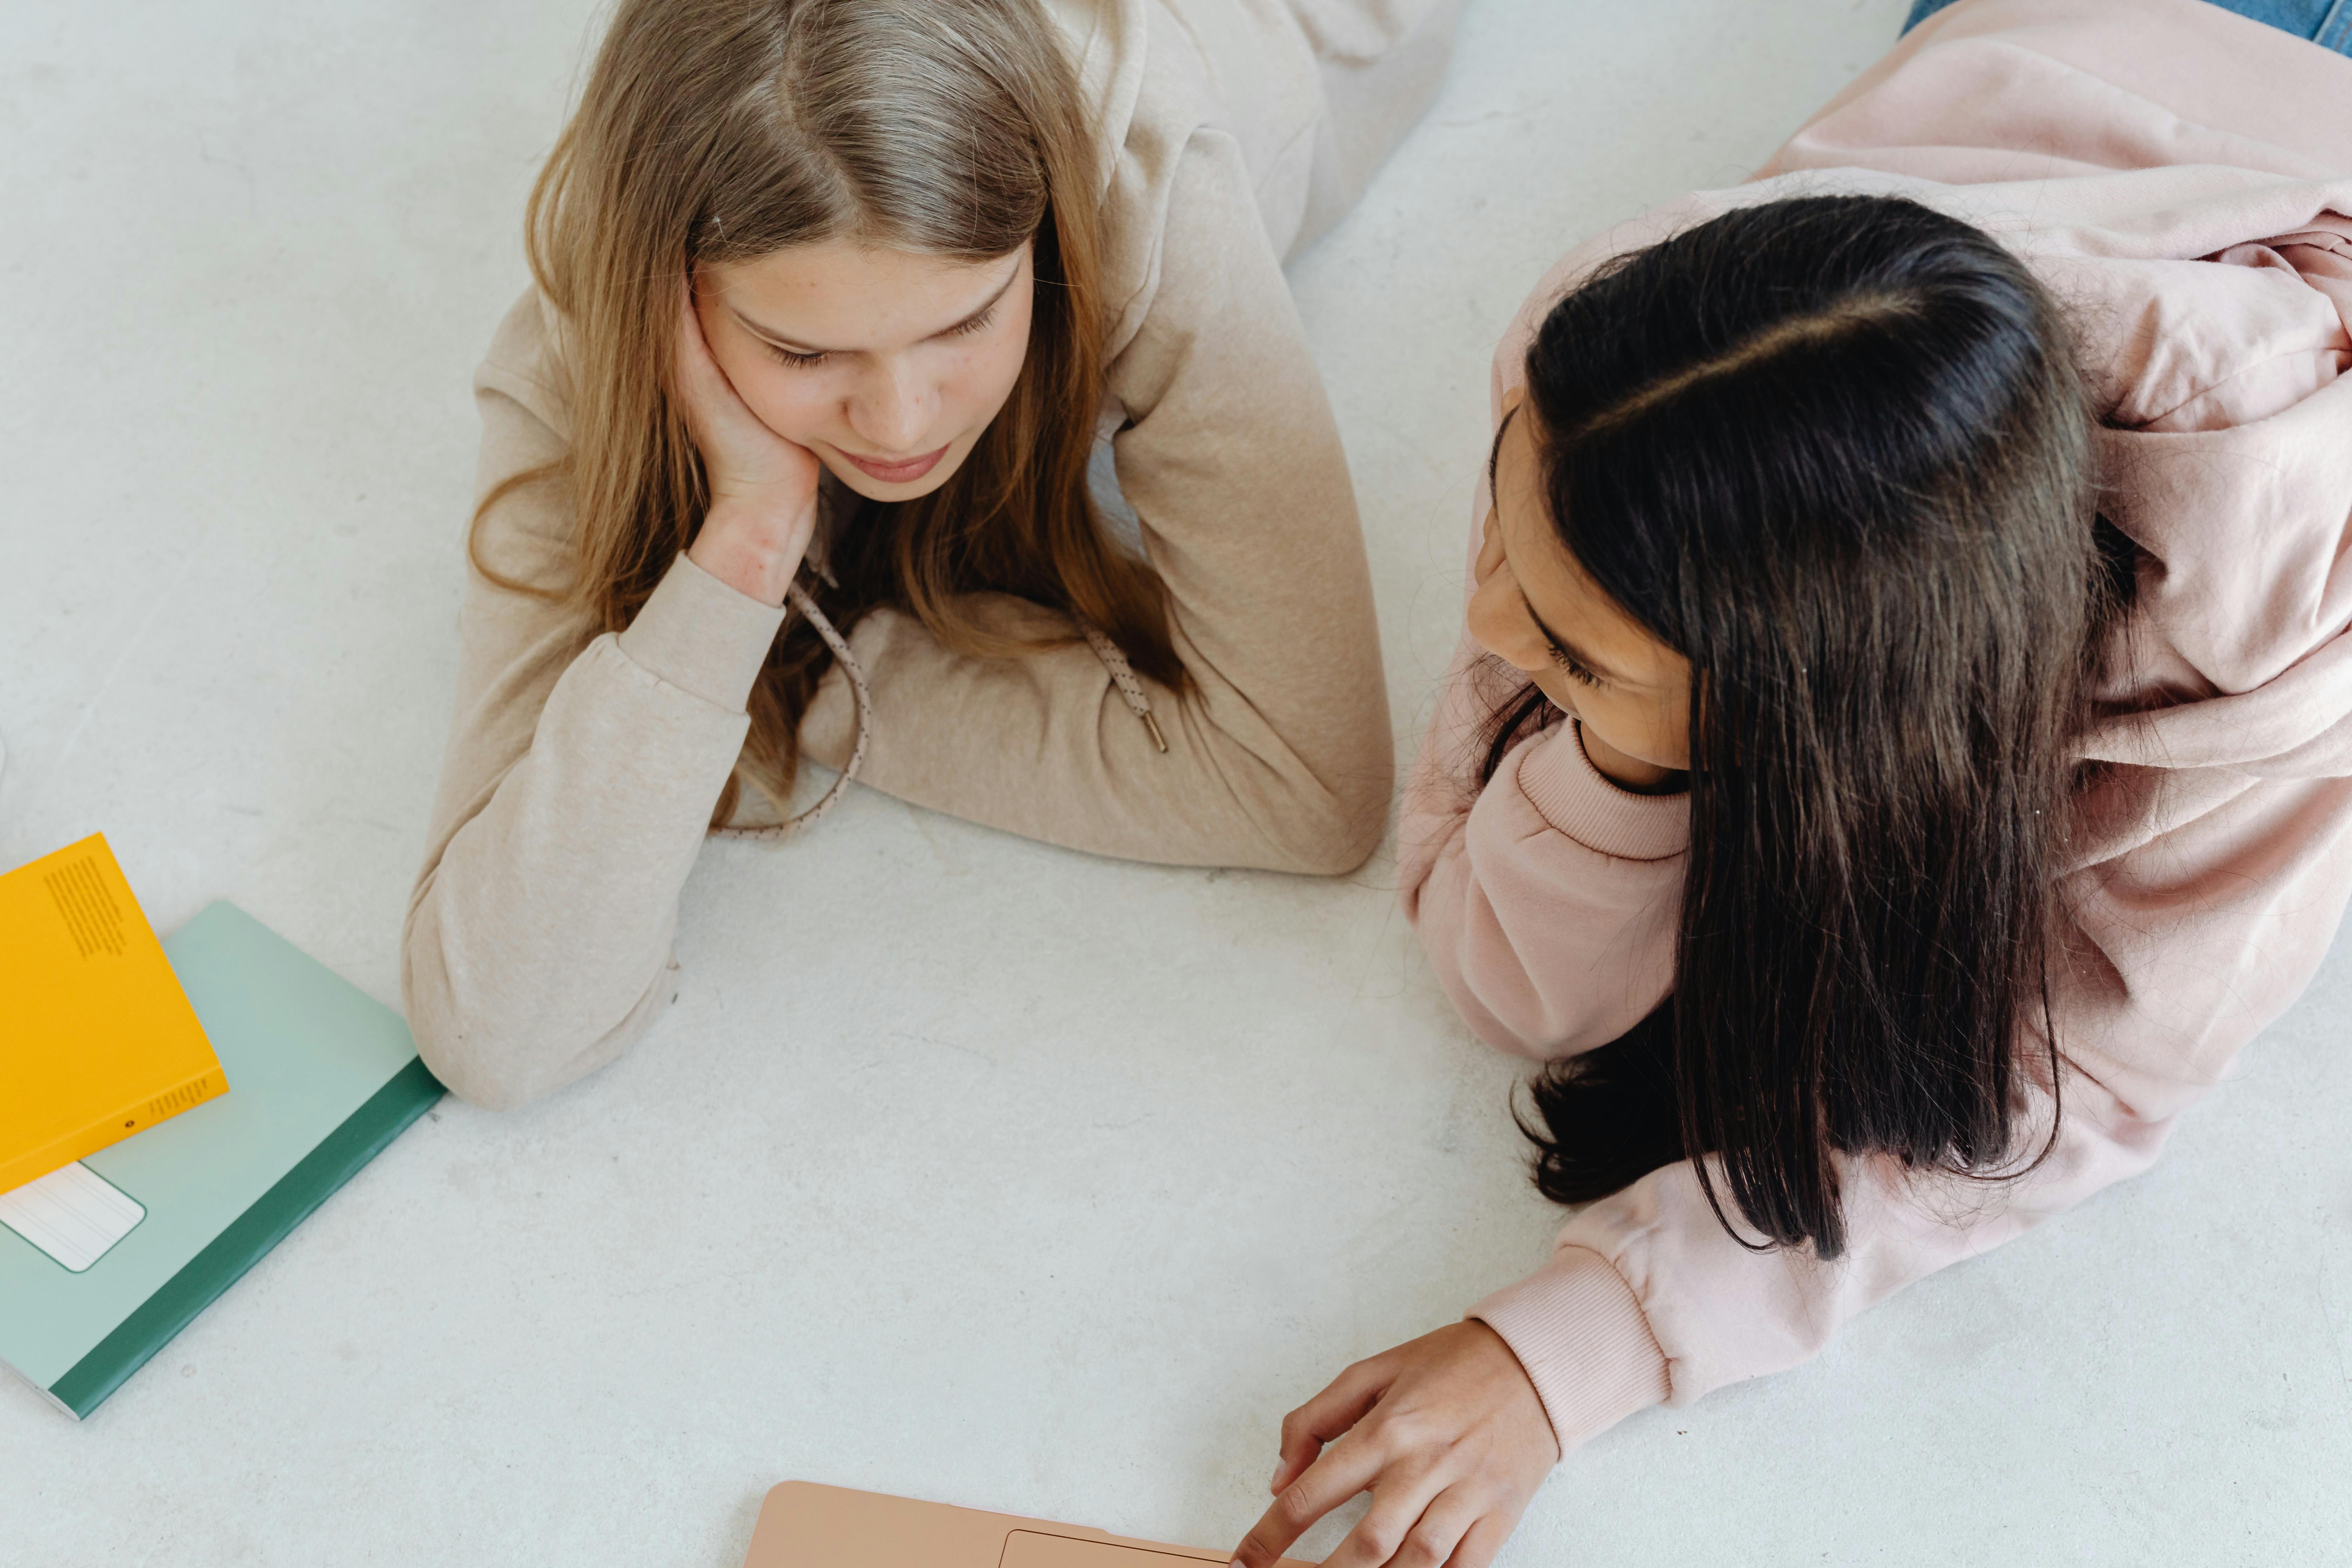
[(723, 130)]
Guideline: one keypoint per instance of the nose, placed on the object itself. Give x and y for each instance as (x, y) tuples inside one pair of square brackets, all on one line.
[(1498, 621), (892, 409)]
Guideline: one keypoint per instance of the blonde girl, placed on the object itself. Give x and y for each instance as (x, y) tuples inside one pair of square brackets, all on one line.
[(912, 386)]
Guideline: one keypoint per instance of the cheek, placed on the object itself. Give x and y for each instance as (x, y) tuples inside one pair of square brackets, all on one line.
[(984, 376), (1639, 727), (997, 359), (968, 386), (1671, 733), (785, 400)]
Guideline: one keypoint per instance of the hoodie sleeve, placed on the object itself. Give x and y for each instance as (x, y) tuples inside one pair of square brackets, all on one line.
[(578, 781), (2185, 947), (1547, 902)]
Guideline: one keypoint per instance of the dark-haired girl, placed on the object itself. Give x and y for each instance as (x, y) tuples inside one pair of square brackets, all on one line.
[(1900, 750)]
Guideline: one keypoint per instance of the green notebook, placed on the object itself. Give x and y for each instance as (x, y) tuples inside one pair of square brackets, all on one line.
[(103, 1262)]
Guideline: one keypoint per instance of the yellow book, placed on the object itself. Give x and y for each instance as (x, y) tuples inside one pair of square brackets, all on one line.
[(97, 1039)]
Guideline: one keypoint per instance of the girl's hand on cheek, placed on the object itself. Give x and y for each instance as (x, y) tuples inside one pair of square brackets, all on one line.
[(1445, 1432), (764, 488)]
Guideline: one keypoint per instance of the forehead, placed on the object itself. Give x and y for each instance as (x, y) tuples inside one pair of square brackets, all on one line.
[(1561, 594), (846, 295)]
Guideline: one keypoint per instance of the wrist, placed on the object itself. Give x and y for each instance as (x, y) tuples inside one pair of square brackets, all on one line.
[(754, 548), (1580, 1334)]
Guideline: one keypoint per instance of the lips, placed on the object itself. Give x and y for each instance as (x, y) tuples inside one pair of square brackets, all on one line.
[(905, 471)]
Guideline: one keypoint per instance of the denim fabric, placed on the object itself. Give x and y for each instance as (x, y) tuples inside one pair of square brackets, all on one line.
[(2328, 23)]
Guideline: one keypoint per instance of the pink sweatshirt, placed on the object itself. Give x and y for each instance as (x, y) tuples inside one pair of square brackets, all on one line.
[(2178, 174)]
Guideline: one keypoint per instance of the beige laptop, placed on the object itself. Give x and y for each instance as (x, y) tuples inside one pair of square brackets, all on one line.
[(803, 1525)]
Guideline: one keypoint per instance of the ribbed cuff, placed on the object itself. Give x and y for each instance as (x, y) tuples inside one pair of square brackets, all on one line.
[(700, 634), (1578, 1331), (1575, 798)]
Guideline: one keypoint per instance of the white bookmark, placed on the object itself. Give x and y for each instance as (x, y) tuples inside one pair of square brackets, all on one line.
[(73, 1213)]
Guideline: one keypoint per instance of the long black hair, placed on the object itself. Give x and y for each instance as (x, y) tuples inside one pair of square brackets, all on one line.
[(1835, 451)]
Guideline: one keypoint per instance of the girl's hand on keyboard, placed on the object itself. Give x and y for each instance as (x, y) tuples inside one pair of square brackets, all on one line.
[(1447, 1434)]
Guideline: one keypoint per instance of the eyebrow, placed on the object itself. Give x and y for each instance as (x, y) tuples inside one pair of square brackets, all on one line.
[(1494, 452), (1567, 650), (770, 335)]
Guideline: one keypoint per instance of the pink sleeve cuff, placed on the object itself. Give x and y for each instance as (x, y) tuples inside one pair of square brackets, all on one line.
[(1573, 798), (702, 635), (1579, 1333)]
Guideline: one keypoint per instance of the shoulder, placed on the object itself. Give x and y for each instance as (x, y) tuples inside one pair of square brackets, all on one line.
[(2151, 159), (524, 530), (527, 363), (2005, 89), (1196, 104)]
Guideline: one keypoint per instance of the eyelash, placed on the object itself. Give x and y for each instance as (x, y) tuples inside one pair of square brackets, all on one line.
[(1575, 670), (973, 328)]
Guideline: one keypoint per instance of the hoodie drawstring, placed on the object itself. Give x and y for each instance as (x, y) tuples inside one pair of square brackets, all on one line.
[(1122, 676)]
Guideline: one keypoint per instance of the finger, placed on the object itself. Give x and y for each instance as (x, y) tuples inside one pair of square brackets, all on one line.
[(1341, 1405), (696, 368), (1484, 1542), (1430, 1541), (1381, 1535), (722, 424), (1343, 1471)]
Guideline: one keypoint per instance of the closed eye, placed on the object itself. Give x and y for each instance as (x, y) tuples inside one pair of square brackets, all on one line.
[(977, 325), (1576, 671), (787, 356)]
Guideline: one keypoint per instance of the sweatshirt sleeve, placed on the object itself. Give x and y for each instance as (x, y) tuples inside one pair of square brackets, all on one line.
[(1282, 757), (1547, 902), (576, 787), (2184, 948)]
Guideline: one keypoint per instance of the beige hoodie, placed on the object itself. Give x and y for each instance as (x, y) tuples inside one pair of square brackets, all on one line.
[(581, 769), (2183, 179)]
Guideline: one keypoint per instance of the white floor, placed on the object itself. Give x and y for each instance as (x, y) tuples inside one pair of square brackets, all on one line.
[(964, 1168)]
